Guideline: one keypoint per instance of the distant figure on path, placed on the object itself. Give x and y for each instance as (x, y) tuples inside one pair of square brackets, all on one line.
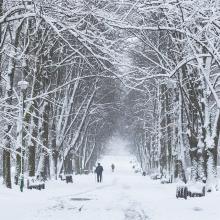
[(98, 171), (113, 167)]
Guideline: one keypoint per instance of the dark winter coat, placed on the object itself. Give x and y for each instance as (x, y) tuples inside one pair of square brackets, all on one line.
[(99, 169)]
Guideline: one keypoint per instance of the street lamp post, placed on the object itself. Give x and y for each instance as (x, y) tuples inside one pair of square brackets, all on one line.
[(23, 86)]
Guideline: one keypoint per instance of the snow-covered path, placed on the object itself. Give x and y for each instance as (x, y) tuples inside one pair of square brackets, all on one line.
[(123, 195), (115, 198), (86, 199)]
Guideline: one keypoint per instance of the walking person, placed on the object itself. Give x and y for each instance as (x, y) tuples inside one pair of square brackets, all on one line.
[(99, 169), (113, 167)]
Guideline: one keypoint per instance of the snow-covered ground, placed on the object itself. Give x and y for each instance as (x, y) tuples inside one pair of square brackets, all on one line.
[(123, 195)]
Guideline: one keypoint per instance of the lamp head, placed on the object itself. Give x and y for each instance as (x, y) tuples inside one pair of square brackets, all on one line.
[(23, 84)]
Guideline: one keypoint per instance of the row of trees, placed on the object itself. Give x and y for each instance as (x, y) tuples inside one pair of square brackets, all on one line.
[(73, 55), (61, 122), (173, 63)]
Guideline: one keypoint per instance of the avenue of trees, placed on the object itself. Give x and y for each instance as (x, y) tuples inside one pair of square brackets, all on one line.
[(153, 65), (175, 50), (61, 120)]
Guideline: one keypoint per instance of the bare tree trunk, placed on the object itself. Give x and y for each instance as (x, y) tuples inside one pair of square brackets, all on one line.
[(32, 147), (6, 151), (46, 171), (55, 152), (1, 13), (212, 154), (7, 161)]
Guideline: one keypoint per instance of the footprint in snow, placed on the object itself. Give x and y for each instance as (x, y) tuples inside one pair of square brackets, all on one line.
[(197, 209), (124, 186), (131, 214)]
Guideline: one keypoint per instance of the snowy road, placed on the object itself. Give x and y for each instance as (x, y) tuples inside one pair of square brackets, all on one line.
[(123, 195)]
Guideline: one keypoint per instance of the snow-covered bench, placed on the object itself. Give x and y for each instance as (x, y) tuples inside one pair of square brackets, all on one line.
[(155, 176), (144, 173), (191, 189), (181, 191), (137, 171), (166, 180), (86, 172), (196, 189), (34, 183), (62, 177), (67, 177)]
